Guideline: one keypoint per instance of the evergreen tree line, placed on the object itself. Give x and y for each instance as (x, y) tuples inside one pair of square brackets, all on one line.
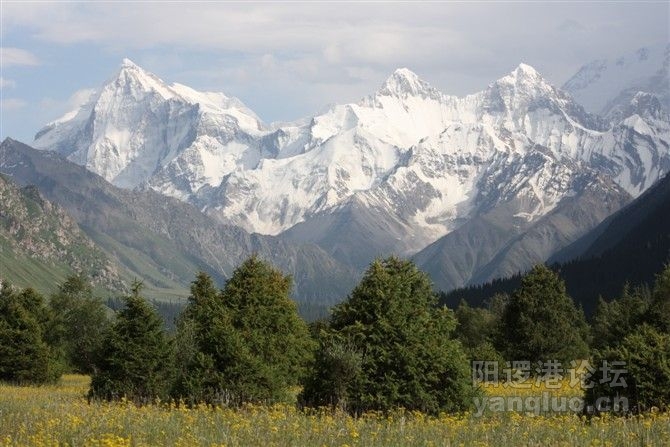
[(539, 322), (388, 345)]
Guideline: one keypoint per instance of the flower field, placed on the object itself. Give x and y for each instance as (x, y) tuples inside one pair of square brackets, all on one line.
[(60, 415)]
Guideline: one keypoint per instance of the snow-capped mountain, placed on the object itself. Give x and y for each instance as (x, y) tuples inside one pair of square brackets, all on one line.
[(422, 155), (136, 124), (395, 172), (603, 86)]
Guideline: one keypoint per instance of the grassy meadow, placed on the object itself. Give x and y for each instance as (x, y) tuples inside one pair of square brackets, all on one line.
[(57, 415)]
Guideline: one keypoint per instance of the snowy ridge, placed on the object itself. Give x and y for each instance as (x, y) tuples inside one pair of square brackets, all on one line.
[(426, 161)]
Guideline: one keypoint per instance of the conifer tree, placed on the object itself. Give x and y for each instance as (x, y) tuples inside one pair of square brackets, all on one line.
[(135, 357), (541, 322), (250, 344), (637, 341), (642, 362), (614, 320), (24, 355), (389, 345), (659, 309), (78, 323)]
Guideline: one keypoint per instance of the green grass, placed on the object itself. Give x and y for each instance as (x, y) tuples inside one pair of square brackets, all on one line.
[(60, 415), (24, 271)]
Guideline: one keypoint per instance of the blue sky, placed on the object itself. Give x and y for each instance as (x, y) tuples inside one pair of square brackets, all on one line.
[(287, 60)]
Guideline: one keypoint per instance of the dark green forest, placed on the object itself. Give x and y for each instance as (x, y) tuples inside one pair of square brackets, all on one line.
[(389, 344)]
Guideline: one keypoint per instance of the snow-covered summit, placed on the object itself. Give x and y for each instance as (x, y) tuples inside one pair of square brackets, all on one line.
[(136, 124), (522, 85), (404, 82), (136, 81)]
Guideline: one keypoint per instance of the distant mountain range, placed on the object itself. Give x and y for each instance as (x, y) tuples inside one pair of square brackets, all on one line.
[(472, 188), (607, 87)]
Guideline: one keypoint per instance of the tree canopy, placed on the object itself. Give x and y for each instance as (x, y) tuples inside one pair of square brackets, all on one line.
[(389, 345), (25, 357), (135, 357), (249, 344), (541, 322)]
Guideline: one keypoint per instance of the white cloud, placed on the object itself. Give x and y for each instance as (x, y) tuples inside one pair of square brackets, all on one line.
[(294, 57), (7, 83), (16, 56), (79, 98), (54, 107), (316, 40), (13, 103)]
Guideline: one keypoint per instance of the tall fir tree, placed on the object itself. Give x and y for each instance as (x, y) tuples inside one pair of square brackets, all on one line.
[(388, 345), (659, 309), (250, 344), (24, 355), (78, 323), (541, 322), (642, 364), (615, 319), (135, 360)]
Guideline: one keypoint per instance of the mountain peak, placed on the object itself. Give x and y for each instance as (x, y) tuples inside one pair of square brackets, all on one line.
[(135, 79), (404, 72), (127, 63), (525, 73), (526, 70), (404, 82), (524, 78)]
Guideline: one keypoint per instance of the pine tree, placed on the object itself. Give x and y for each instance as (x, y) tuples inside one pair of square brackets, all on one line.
[(659, 310), (389, 345), (541, 322), (24, 355), (614, 320), (198, 328), (643, 357), (135, 357), (78, 323), (634, 333), (250, 343), (476, 331)]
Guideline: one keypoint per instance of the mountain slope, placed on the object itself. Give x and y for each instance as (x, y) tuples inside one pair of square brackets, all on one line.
[(493, 246), (40, 244), (163, 240), (631, 246)]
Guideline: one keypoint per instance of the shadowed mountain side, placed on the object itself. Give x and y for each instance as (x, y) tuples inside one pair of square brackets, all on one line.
[(493, 246), (40, 244), (631, 246), (163, 240)]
